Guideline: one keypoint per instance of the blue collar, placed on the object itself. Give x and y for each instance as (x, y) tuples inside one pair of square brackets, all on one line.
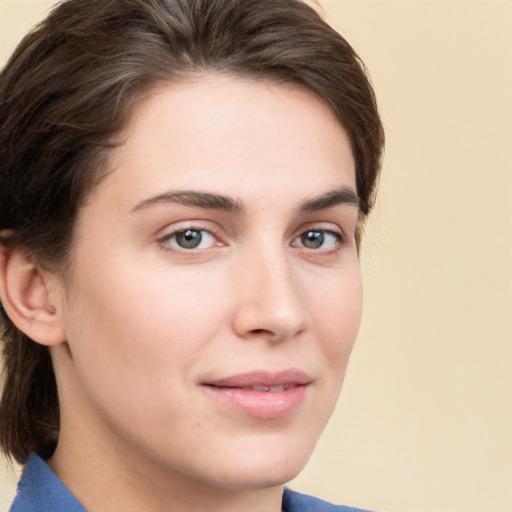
[(41, 490)]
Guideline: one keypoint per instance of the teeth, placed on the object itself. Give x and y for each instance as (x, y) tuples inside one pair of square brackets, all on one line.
[(266, 389), (271, 389)]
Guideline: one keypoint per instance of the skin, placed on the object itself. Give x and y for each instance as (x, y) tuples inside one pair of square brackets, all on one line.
[(146, 322)]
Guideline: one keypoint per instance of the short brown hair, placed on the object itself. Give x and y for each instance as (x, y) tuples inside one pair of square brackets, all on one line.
[(65, 94)]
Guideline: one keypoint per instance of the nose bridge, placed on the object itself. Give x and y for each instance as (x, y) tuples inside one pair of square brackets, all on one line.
[(270, 302)]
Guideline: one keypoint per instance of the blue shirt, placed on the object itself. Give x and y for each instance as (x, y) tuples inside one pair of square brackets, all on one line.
[(41, 490)]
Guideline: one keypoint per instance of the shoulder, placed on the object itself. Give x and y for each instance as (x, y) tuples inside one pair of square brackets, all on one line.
[(296, 502)]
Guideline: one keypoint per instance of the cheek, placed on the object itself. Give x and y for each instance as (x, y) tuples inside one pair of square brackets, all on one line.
[(336, 315), (134, 341), (140, 321)]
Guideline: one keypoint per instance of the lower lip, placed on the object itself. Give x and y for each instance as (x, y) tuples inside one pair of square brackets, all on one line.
[(265, 405)]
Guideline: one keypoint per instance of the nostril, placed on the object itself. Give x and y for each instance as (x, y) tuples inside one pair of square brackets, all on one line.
[(261, 331)]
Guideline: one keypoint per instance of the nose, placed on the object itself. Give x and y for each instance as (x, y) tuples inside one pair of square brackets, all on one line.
[(270, 301)]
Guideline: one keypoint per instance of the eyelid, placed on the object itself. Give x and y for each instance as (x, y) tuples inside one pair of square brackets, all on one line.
[(327, 227)]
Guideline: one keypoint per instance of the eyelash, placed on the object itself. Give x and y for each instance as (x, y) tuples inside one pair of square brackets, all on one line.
[(339, 240), (166, 245)]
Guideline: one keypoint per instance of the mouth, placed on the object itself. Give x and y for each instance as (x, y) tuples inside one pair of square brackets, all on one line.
[(265, 389), (263, 395)]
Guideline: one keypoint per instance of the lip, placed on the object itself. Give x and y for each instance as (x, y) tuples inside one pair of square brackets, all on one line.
[(261, 394)]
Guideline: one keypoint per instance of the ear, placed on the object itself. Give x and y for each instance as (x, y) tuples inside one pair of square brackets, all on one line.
[(27, 299)]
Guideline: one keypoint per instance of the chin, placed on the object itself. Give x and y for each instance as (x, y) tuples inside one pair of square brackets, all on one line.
[(266, 466), (255, 479)]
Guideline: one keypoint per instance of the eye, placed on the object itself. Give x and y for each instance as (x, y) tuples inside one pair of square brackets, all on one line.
[(319, 239), (189, 239)]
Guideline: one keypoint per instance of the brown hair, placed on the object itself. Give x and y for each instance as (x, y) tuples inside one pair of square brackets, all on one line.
[(66, 93)]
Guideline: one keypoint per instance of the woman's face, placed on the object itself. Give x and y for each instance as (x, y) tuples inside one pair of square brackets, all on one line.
[(215, 291)]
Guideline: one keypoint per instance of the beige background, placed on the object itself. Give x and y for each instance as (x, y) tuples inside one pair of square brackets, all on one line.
[(425, 420)]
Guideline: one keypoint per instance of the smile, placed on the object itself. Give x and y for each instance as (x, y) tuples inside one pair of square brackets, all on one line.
[(261, 395)]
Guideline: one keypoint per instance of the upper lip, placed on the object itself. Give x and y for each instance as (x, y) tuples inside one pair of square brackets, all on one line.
[(290, 377)]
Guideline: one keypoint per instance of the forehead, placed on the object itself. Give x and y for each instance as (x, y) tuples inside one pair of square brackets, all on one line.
[(230, 135)]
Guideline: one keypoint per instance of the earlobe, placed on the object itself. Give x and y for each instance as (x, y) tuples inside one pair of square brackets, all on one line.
[(27, 299)]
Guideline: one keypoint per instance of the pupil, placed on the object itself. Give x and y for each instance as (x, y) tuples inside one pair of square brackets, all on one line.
[(313, 239), (189, 239)]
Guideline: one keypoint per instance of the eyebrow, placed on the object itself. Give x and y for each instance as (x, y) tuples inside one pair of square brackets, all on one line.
[(330, 199), (192, 198), (211, 201)]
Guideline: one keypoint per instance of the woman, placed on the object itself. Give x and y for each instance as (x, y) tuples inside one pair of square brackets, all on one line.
[(183, 189)]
